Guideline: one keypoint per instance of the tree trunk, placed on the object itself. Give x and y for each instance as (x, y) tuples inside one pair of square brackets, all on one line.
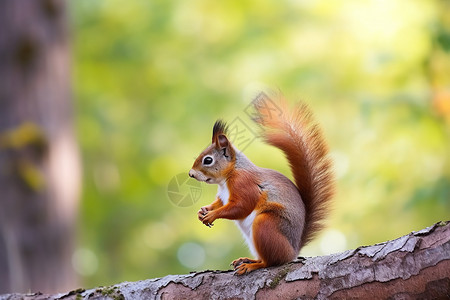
[(39, 164), (415, 266)]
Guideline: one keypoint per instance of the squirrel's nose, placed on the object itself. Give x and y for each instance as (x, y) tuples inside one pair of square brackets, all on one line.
[(191, 174)]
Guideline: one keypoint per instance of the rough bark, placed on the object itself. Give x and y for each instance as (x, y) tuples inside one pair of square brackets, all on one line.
[(39, 168), (415, 266)]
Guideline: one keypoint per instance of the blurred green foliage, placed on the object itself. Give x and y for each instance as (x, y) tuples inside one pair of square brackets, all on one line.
[(152, 76)]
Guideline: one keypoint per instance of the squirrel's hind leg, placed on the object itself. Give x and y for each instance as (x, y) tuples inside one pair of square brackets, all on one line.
[(273, 247)]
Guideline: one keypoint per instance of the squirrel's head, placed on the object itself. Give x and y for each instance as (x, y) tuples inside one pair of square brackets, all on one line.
[(216, 162)]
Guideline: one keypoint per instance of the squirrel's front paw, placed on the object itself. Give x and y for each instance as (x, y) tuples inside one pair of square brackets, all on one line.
[(203, 211), (208, 219)]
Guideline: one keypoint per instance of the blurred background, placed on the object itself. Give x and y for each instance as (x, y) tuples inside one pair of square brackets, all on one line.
[(147, 80)]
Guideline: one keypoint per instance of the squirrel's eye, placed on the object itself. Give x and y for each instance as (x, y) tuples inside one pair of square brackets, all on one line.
[(207, 160)]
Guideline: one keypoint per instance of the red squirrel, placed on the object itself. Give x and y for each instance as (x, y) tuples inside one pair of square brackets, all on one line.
[(276, 216)]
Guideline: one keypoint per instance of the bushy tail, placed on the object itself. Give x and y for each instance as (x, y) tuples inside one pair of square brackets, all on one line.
[(299, 137)]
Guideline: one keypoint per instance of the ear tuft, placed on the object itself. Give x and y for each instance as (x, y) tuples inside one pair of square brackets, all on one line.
[(220, 127)]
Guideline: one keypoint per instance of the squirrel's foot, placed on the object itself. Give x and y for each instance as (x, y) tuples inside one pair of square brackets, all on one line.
[(235, 263), (245, 268)]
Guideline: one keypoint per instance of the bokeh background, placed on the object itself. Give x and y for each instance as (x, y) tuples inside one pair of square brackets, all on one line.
[(150, 77)]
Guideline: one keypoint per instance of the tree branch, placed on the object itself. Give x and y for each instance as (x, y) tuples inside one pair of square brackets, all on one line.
[(414, 266)]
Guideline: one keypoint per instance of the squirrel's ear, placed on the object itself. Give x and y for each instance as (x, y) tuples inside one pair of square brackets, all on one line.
[(222, 141), (223, 145)]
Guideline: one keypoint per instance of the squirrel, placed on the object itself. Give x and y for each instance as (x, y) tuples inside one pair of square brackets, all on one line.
[(276, 217)]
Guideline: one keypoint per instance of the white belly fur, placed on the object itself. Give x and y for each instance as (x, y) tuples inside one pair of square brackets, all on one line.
[(244, 225)]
